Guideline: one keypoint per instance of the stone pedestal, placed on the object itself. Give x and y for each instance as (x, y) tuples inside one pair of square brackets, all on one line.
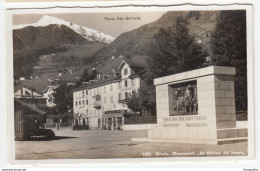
[(210, 117)]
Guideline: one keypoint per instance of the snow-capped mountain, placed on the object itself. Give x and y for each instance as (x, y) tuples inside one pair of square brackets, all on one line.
[(87, 33)]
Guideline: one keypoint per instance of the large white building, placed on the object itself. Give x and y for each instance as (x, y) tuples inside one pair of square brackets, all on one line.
[(99, 104)]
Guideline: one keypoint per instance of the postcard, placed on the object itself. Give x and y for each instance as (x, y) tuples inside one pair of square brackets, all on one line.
[(130, 83)]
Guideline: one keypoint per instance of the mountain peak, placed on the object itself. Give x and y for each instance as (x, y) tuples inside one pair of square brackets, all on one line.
[(46, 20), (87, 33)]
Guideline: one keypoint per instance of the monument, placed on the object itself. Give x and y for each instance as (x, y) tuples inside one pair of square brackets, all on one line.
[(197, 106)]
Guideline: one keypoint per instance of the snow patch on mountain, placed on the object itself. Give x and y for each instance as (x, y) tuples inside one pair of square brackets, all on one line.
[(87, 33)]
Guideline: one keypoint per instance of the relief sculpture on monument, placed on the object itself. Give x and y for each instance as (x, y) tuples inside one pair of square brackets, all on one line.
[(185, 99)]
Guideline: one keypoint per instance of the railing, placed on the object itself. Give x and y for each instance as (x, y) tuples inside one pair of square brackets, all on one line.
[(97, 97), (97, 104), (115, 112)]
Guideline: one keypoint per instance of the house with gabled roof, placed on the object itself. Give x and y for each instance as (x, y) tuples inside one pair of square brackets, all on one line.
[(23, 91), (29, 95), (48, 94)]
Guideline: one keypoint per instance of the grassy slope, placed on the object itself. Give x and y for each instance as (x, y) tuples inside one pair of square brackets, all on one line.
[(79, 51)]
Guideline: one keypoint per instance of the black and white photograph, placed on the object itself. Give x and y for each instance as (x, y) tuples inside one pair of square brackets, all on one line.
[(132, 84)]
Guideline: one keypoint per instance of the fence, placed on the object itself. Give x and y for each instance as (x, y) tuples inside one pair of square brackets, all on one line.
[(58, 125), (135, 119)]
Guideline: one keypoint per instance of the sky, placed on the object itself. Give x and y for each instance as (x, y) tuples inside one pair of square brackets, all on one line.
[(103, 22)]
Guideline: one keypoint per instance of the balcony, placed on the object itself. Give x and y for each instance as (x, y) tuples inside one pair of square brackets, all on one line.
[(115, 112), (97, 97), (97, 104)]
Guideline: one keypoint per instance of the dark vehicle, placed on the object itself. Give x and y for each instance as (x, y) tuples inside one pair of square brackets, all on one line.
[(33, 129)]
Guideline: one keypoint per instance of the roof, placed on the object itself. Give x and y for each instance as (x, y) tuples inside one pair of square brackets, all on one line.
[(104, 82), (20, 86), (138, 74), (53, 86), (84, 87), (133, 65), (32, 107), (98, 84)]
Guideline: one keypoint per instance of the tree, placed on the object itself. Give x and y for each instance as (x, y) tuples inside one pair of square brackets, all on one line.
[(86, 77), (228, 44), (190, 54), (147, 98), (142, 100), (63, 98), (176, 51), (133, 103)]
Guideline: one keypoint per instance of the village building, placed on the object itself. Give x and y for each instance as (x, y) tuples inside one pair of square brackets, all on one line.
[(29, 95), (100, 104), (32, 96), (25, 115), (48, 94)]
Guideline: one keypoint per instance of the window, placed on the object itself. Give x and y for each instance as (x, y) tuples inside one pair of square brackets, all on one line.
[(79, 102), (119, 96), (105, 99), (133, 82), (125, 83), (111, 98), (86, 92), (76, 103), (27, 93), (83, 92), (125, 71), (86, 102), (82, 102), (126, 95), (87, 111)]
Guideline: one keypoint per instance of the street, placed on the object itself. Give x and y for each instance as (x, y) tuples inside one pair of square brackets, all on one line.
[(96, 144)]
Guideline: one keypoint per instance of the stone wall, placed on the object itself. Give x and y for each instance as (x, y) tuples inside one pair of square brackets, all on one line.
[(138, 126)]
